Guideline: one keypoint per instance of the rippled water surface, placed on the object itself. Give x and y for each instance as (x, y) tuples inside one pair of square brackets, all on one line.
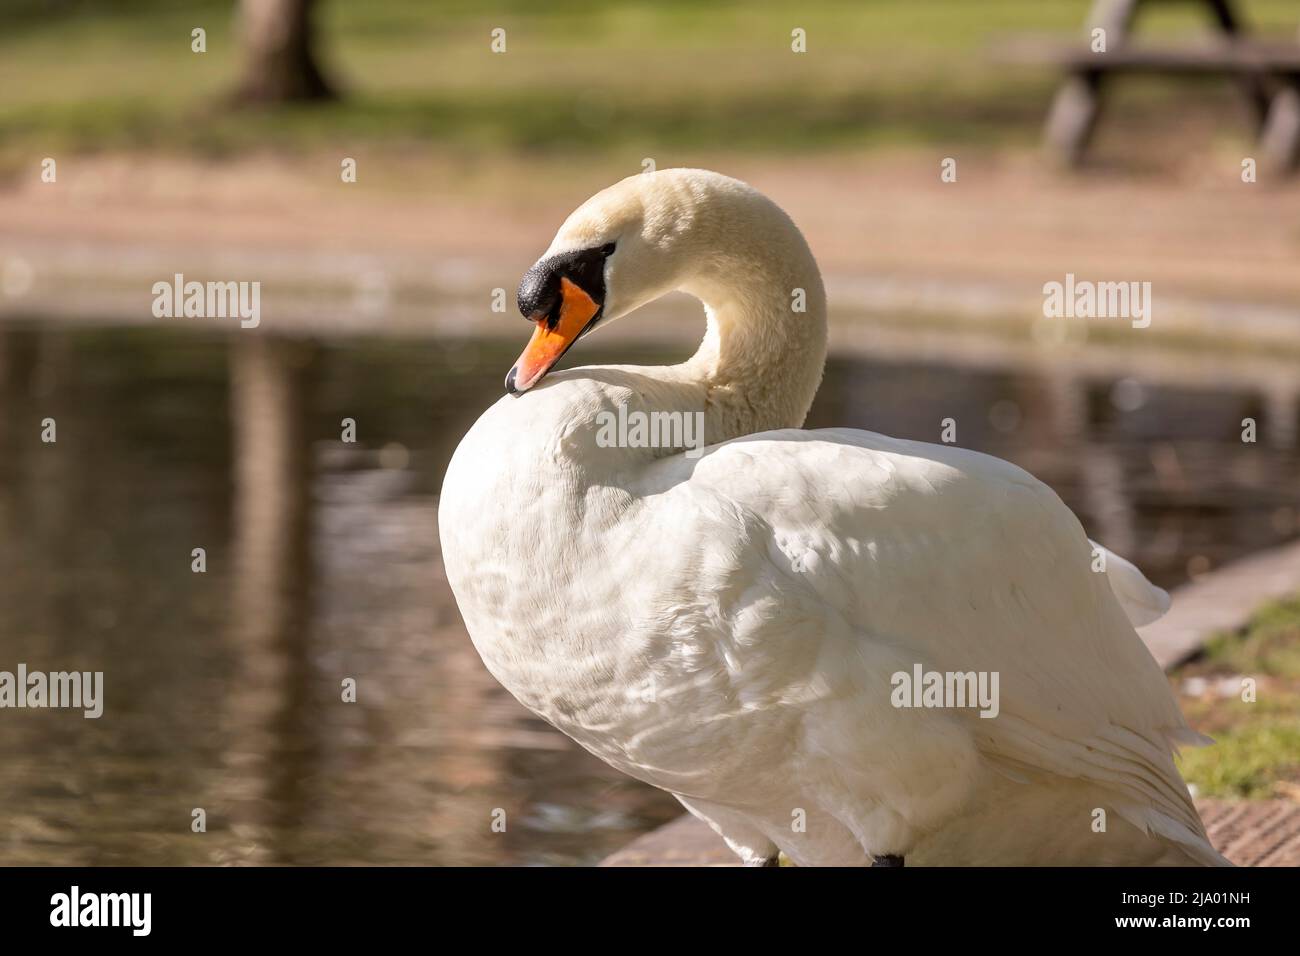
[(223, 689)]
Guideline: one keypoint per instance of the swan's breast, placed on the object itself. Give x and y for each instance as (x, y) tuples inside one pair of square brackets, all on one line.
[(621, 615), (529, 538)]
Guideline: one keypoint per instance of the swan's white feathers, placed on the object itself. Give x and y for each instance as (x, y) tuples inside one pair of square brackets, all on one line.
[(1143, 602), (726, 626), (888, 543)]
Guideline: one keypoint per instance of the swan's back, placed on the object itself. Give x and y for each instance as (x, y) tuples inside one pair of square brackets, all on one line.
[(916, 554)]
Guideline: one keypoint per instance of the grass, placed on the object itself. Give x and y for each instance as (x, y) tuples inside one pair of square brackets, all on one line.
[(1257, 752), (578, 76), (1270, 645)]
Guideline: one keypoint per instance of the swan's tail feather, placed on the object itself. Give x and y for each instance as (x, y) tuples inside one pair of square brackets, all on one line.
[(1179, 737), (1139, 775), (1142, 601), (1194, 843)]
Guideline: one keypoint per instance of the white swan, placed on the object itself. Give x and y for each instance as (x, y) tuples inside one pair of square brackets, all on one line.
[(728, 625)]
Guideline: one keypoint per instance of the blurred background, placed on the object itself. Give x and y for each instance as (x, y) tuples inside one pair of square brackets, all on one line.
[(470, 146)]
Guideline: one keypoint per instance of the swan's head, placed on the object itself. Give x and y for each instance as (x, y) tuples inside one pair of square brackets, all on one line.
[(625, 246)]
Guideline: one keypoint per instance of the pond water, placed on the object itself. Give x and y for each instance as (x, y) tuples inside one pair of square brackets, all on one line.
[(223, 688)]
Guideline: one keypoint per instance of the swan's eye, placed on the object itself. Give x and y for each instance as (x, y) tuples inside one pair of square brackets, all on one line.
[(539, 290)]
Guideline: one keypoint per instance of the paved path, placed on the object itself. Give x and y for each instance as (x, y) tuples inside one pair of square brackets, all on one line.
[(1222, 601)]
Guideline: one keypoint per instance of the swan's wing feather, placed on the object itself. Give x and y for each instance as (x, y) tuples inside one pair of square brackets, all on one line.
[(1142, 601), (960, 562)]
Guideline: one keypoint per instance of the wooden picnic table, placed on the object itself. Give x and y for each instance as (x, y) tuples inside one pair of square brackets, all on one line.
[(1267, 71)]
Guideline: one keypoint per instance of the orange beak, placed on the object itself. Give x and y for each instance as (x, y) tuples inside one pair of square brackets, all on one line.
[(549, 343)]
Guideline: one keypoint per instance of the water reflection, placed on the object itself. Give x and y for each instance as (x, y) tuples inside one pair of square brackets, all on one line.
[(224, 689), (272, 754)]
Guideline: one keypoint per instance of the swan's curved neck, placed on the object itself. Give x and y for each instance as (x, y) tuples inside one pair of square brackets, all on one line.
[(764, 348)]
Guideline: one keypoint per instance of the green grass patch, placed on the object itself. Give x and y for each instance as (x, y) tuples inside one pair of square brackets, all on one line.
[(1257, 744), (1250, 759), (1270, 645), (578, 76)]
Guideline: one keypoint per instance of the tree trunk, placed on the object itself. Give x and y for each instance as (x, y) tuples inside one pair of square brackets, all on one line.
[(279, 59)]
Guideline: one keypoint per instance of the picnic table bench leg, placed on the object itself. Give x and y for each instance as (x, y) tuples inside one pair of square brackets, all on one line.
[(1280, 141), (1255, 87), (1074, 112), (1074, 116)]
